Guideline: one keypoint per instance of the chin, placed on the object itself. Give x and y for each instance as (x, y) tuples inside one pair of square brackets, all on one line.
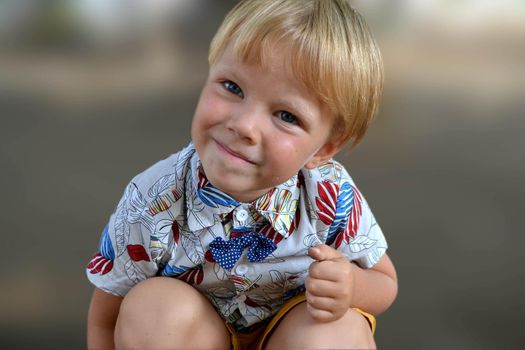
[(237, 189), (227, 185)]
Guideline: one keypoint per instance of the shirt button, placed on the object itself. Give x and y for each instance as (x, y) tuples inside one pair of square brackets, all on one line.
[(241, 269), (241, 215)]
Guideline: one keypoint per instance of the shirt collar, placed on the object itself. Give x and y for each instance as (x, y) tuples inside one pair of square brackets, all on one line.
[(207, 205), (279, 206)]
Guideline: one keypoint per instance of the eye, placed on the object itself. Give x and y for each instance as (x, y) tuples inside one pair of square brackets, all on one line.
[(288, 117), (233, 88)]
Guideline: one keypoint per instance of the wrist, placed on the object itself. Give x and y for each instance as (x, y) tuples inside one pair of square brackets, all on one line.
[(353, 272)]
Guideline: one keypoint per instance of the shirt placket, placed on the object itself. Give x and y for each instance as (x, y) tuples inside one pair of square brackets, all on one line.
[(240, 273)]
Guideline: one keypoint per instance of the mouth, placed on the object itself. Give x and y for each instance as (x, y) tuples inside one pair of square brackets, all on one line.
[(232, 153)]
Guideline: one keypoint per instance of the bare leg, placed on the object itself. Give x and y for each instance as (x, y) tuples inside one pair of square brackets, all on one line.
[(165, 313), (299, 331)]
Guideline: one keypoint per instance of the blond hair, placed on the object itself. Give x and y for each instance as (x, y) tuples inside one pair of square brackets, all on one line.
[(332, 53)]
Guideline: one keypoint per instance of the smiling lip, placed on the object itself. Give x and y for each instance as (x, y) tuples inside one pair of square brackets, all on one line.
[(233, 153)]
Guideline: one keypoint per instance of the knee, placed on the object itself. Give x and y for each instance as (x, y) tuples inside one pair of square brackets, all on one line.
[(152, 311), (360, 332), (299, 330), (155, 300)]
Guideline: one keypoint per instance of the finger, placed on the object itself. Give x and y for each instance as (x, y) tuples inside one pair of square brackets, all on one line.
[(324, 288), (323, 252), (322, 303), (331, 270), (320, 315)]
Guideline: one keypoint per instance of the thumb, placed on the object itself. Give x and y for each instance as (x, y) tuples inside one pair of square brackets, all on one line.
[(323, 252)]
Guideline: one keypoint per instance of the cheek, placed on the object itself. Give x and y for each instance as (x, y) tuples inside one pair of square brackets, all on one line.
[(210, 110), (204, 117), (297, 152)]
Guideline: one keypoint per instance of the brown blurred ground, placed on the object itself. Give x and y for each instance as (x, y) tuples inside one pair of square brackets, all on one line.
[(442, 166)]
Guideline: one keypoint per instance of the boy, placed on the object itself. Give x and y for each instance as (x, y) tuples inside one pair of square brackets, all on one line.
[(252, 236)]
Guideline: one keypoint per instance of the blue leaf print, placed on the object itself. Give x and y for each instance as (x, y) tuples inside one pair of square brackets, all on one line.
[(242, 229), (212, 197), (106, 248), (173, 270), (345, 203)]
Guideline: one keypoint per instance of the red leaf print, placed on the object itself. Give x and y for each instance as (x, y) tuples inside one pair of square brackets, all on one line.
[(292, 277), (270, 232), (99, 264), (209, 256), (295, 222), (95, 259), (176, 233), (327, 201), (137, 252), (192, 276), (177, 194), (355, 217), (237, 234), (107, 267), (339, 239), (200, 276), (203, 181)]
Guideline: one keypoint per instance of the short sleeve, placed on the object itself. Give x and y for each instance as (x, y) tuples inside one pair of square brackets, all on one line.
[(123, 258), (355, 231)]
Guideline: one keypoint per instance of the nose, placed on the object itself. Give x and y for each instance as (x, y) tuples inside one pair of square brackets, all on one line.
[(247, 123)]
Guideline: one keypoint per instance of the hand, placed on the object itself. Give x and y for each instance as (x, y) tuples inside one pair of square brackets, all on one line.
[(329, 285)]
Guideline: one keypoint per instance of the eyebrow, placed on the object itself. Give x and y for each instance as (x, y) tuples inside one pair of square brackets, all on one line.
[(230, 73), (299, 107)]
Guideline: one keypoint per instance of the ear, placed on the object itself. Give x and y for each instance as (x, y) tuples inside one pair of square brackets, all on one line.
[(327, 151)]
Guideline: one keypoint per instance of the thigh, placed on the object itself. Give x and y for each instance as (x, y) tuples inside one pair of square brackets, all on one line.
[(298, 330), (165, 313)]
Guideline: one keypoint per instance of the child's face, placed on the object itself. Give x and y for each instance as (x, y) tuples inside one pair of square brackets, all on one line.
[(256, 127)]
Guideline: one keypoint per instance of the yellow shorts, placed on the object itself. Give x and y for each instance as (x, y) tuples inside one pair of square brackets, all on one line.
[(257, 338)]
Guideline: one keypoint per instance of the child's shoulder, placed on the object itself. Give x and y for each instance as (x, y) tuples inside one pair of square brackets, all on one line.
[(165, 175), (332, 171)]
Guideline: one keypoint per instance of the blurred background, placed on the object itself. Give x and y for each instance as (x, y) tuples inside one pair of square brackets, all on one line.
[(94, 91)]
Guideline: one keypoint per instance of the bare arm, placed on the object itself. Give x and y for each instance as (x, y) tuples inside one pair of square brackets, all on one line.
[(375, 289), (102, 316)]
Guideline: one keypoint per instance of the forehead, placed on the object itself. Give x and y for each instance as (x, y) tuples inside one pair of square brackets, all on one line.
[(271, 69), (271, 56)]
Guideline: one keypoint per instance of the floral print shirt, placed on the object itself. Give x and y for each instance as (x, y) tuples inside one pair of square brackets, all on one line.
[(171, 221)]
